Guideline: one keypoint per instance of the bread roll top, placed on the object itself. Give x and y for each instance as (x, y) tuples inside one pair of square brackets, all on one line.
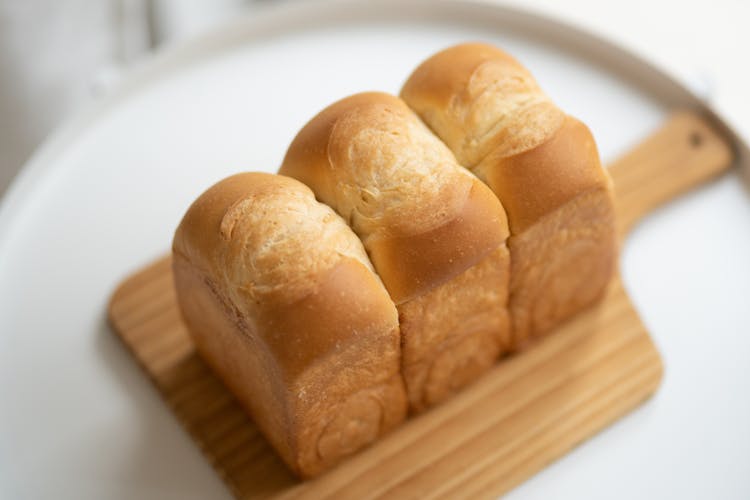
[(479, 99), (500, 124), (422, 217), (281, 262)]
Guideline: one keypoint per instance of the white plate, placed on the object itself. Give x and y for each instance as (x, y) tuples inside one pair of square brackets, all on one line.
[(79, 420)]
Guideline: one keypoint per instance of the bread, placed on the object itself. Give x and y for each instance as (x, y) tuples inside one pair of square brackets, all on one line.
[(544, 167), (436, 235), (284, 298), (282, 302)]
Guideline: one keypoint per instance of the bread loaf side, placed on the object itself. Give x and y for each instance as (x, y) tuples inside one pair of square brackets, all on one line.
[(282, 301)]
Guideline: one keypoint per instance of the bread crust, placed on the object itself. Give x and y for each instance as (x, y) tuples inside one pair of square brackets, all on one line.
[(422, 218), (562, 264), (541, 163), (548, 176), (308, 345), (478, 99), (456, 331), (411, 266), (436, 235)]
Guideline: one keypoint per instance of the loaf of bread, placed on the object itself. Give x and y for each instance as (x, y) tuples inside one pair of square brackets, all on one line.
[(282, 301), (435, 233), (283, 294), (541, 163)]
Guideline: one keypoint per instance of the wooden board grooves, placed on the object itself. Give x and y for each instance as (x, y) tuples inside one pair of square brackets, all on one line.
[(473, 429), (524, 449), (556, 441), (528, 411), (469, 430), (483, 445)]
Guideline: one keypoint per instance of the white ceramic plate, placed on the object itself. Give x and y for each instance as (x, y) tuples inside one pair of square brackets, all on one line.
[(79, 420)]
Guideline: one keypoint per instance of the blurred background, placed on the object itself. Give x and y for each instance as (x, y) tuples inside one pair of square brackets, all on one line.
[(56, 56)]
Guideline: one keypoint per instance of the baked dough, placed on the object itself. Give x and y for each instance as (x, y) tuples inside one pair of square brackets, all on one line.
[(435, 233), (282, 302), (544, 167)]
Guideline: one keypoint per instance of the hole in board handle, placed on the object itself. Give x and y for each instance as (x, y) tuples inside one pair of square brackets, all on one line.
[(696, 139)]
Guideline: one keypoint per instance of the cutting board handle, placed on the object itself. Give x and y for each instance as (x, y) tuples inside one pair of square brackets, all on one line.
[(684, 153)]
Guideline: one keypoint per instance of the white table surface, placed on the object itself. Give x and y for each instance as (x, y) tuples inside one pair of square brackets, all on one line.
[(78, 420)]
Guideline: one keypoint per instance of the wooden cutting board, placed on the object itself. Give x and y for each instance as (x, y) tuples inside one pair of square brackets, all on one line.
[(528, 411)]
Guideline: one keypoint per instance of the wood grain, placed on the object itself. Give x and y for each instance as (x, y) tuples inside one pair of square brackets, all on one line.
[(529, 410), (685, 152)]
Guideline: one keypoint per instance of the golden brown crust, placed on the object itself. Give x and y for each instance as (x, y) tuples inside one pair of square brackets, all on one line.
[(241, 361), (414, 265), (455, 332), (281, 300), (478, 99), (562, 264), (535, 182), (400, 189), (291, 238), (436, 235), (541, 163), (493, 115)]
